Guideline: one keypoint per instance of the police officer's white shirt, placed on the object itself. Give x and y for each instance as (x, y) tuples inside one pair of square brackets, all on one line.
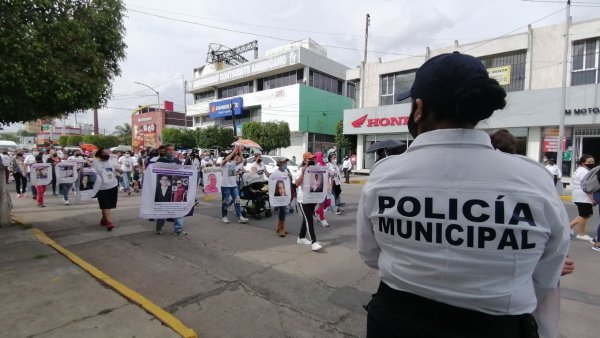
[(553, 170), (454, 177), (577, 194)]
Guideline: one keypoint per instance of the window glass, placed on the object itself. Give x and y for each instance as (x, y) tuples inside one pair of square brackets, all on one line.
[(590, 54), (516, 60), (578, 49), (583, 77)]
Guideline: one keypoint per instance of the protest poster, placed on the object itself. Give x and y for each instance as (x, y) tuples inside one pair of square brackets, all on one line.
[(169, 190), (212, 182), (88, 184), (41, 174), (313, 185), (280, 193), (66, 172)]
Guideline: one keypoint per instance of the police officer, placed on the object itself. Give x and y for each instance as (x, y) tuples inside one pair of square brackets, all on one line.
[(464, 236)]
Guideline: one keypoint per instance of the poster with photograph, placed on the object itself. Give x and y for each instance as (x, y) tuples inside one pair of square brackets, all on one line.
[(41, 174), (169, 190), (212, 180), (314, 187), (88, 184), (280, 193), (66, 172)]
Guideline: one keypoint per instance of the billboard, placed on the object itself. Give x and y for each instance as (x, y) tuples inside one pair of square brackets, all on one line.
[(222, 108), (146, 129)]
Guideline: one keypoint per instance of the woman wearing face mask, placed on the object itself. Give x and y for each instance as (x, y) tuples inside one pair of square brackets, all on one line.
[(258, 167), (307, 209), (109, 186), (476, 240), (280, 191), (126, 163), (583, 200)]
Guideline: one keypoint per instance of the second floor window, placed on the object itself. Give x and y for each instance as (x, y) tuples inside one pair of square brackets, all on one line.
[(585, 62)]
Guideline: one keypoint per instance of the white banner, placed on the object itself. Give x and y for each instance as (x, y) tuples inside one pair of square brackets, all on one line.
[(41, 174), (66, 172), (88, 184), (212, 180), (314, 186), (280, 193), (169, 190)]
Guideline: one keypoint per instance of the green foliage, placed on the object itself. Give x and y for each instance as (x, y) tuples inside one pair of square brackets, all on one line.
[(58, 56), (342, 140), (214, 136), (123, 133), (104, 141), (63, 141), (25, 133), (9, 137), (270, 135), (74, 140), (181, 138)]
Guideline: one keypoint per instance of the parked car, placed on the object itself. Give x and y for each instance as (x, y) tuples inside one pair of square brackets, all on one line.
[(271, 163)]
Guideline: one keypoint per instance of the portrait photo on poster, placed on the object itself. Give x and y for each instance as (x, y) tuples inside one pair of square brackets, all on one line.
[(212, 180), (87, 181), (279, 189), (164, 188), (41, 173), (180, 188), (88, 185), (66, 172), (313, 186)]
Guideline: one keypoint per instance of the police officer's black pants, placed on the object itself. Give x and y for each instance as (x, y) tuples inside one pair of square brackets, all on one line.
[(397, 314)]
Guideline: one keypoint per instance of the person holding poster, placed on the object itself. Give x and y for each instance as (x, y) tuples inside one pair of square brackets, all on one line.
[(280, 192), (40, 174), (229, 188), (307, 202), (66, 175), (108, 190), (164, 192)]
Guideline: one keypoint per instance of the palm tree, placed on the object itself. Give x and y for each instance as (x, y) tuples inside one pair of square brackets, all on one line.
[(123, 133)]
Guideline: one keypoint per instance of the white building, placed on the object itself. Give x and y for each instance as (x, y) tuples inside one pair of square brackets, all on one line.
[(529, 65), (296, 83)]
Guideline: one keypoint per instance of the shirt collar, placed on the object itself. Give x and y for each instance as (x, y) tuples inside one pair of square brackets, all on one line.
[(446, 137)]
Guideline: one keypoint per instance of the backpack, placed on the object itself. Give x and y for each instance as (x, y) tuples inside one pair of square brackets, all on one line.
[(591, 181)]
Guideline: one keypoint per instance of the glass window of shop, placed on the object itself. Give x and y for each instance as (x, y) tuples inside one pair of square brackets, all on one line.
[(549, 146), (280, 80), (394, 84), (351, 90), (371, 158), (325, 82), (585, 62), (204, 95), (517, 62)]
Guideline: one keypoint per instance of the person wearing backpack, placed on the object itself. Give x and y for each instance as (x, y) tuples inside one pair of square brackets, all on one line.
[(582, 200)]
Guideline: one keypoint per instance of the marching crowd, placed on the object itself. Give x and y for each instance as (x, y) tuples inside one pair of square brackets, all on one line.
[(124, 171)]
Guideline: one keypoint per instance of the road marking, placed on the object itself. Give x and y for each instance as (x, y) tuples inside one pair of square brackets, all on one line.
[(160, 314)]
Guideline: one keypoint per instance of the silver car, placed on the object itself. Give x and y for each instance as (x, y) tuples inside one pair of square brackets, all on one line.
[(271, 163)]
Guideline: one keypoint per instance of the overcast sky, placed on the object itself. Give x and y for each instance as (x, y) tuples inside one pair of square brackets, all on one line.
[(162, 53)]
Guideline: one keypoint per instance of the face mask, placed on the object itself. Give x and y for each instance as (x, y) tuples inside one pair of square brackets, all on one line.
[(283, 167), (311, 162), (412, 126), (104, 157), (259, 160), (590, 166), (35, 153)]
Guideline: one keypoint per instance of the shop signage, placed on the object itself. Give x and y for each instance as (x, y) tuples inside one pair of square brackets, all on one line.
[(500, 74), (551, 144), (380, 121), (144, 119), (583, 111), (223, 108)]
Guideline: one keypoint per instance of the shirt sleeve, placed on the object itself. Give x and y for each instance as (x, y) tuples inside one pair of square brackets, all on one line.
[(368, 248)]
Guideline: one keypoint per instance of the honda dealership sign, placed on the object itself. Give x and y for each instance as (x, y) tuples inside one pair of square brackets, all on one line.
[(377, 120)]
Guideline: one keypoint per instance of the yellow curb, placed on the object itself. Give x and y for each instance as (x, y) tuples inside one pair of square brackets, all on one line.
[(162, 315), (566, 198), (358, 181)]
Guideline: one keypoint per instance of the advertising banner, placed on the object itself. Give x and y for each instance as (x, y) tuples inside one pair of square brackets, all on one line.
[(88, 184), (280, 193), (314, 186), (41, 174), (66, 172), (223, 108), (169, 190), (500, 74)]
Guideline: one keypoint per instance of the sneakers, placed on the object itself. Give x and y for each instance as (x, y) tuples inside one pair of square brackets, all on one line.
[(596, 248), (225, 219), (339, 211), (180, 233), (303, 241), (66, 202), (324, 223), (316, 246), (243, 219), (585, 238), (158, 232), (572, 232)]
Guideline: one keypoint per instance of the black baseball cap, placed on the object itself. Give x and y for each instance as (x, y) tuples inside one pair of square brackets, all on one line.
[(442, 77)]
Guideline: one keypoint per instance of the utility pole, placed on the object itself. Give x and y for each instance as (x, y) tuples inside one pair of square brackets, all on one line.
[(95, 121), (561, 126), (185, 100), (233, 119), (364, 64)]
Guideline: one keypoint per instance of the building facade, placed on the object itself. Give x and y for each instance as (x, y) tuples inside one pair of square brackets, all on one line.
[(295, 83), (147, 124), (529, 66)]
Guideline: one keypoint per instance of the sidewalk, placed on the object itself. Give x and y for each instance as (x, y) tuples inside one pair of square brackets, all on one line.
[(45, 295)]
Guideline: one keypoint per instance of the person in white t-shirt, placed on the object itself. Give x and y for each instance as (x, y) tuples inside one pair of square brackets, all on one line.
[(582, 200), (554, 171), (29, 160), (109, 187), (229, 186), (126, 162), (346, 168), (258, 167)]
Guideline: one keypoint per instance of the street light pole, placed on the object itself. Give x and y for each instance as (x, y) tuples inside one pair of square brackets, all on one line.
[(157, 94), (233, 119)]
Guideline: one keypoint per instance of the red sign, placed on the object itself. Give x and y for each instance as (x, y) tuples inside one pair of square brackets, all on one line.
[(380, 121), (551, 144)]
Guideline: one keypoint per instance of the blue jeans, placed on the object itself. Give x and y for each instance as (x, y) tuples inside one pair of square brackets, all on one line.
[(282, 211), (64, 189), (229, 194), (125, 180), (177, 226)]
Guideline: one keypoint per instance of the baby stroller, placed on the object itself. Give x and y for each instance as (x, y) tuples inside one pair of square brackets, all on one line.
[(255, 191)]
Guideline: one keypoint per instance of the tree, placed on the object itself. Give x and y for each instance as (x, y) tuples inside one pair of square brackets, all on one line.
[(104, 141), (181, 138), (9, 137), (214, 136), (342, 140), (58, 56), (123, 133), (270, 135)]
